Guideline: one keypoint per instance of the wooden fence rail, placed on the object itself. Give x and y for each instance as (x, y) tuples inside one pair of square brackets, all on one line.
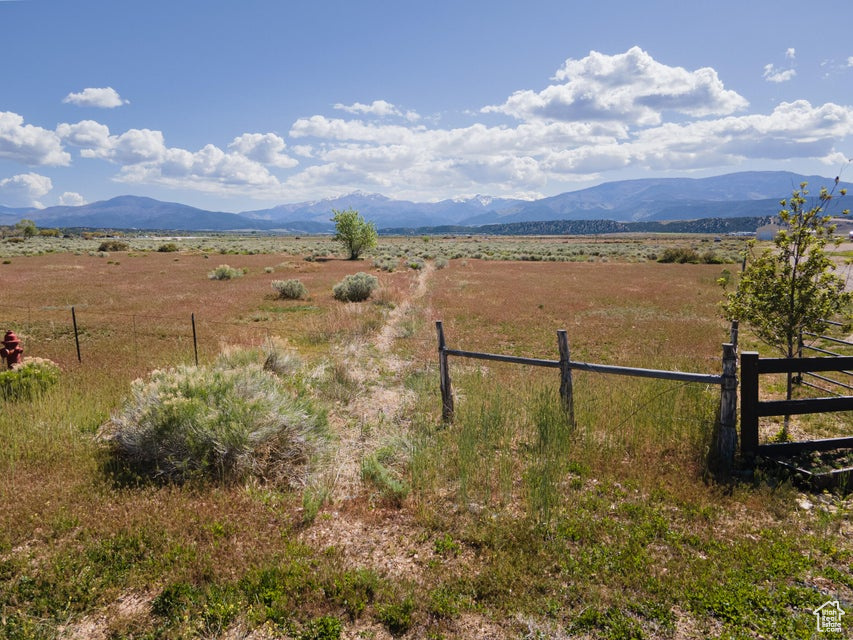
[(752, 408), (725, 441)]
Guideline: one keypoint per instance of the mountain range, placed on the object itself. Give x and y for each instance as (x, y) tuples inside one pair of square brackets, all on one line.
[(744, 194)]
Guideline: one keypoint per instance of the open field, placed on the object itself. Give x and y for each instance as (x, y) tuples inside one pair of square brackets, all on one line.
[(508, 523)]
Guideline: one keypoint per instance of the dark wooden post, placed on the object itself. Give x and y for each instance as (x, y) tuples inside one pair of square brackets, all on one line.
[(725, 438), (749, 403), (195, 339), (734, 333), (566, 394), (76, 335), (135, 348), (444, 372)]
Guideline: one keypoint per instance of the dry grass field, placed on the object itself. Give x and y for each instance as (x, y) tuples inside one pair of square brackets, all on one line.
[(507, 523)]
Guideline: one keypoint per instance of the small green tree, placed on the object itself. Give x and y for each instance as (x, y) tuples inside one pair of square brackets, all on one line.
[(353, 232), (26, 228), (792, 288)]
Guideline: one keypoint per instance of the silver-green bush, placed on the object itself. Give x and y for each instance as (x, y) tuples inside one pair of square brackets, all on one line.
[(213, 423), (290, 289), (224, 272), (355, 288)]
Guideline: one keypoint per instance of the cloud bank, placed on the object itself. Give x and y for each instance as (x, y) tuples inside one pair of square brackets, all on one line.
[(599, 114), (24, 190)]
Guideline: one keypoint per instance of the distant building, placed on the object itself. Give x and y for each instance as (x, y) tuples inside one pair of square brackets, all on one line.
[(767, 232)]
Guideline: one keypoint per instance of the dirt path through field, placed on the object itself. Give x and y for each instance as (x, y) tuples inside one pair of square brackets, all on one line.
[(370, 419)]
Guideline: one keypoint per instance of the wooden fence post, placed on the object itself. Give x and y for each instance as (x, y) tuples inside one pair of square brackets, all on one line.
[(444, 372), (76, 334), (566, 394), (725, 438), (749, 403), (733, 333)]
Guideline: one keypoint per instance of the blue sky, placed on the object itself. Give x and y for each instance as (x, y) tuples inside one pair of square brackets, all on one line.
[(236, 106)]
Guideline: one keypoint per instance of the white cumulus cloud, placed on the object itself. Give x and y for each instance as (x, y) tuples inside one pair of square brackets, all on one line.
[(103, 97), (630, 87), (266, 148), (380, 108), (24, 190), (145, 158), (71, 199), (86, 133), (210, 170), (29, 145), (376, 108), (772, 74)]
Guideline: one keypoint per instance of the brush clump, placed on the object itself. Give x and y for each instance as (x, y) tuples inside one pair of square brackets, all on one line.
[(29, 379), (217, 423), (355, 288)]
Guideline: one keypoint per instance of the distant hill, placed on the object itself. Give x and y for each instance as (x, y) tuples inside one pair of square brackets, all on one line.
[(594, 227), (744, 194), (737, 195)]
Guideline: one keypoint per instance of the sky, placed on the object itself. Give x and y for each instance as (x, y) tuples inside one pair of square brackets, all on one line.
[(243, 105)]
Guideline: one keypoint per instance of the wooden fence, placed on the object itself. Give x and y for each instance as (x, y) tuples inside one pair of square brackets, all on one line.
[(725, 441), (752, 408)]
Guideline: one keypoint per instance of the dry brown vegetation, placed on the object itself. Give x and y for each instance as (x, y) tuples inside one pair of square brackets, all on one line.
[(636, 542)]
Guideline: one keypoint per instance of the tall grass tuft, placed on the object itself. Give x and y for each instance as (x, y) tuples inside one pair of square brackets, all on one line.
[(512, 444), (213, 423), (550, 455)]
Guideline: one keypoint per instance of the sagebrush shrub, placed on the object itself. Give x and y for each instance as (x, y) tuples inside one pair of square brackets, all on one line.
[(290, 289), (29, 379), (224, 272), (113, 245), (679, 255), (168, 247), (355, 288), (213, 423)]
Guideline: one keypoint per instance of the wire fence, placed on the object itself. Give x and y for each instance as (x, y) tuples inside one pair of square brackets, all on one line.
[(88, 337)]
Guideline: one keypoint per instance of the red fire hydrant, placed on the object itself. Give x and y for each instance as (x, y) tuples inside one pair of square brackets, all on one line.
[(12, 350)]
